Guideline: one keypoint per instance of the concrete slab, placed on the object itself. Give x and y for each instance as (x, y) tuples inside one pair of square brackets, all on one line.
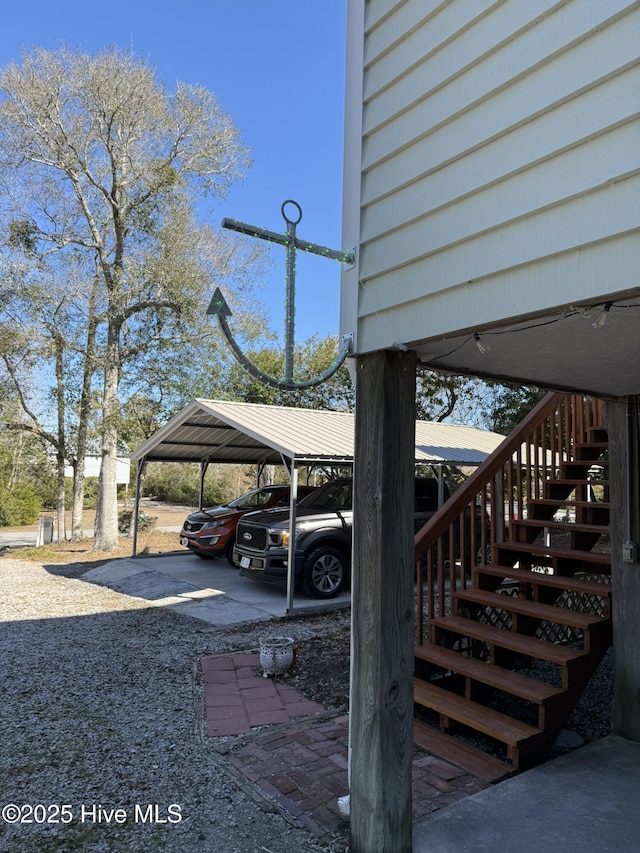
[(151, 585), (210, 590), (584, 801), (219, 610), (114, 572)]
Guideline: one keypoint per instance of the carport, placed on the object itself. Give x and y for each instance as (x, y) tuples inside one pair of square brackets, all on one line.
[(219, 431)]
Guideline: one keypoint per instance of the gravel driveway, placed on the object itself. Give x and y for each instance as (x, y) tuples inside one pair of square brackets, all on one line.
[(102, 728)]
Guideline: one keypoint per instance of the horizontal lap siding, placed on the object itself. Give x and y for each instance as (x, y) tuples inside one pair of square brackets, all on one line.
[(599, 111), (498, 139), (614, 261), (465, 115), (573, 190)]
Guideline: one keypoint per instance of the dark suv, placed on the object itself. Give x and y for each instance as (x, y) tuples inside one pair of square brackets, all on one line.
[(323, 537)]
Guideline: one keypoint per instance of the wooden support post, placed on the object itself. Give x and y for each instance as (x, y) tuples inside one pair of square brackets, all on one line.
[(382, 592), (621, 419)]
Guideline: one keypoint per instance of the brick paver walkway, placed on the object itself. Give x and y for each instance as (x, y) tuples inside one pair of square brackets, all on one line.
[(304, 768), (237, 699), (302, 764)]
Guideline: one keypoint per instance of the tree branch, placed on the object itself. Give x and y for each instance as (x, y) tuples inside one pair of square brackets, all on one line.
[(32, 429)]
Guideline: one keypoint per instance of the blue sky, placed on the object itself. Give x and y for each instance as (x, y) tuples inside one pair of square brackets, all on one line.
[(278, 70)]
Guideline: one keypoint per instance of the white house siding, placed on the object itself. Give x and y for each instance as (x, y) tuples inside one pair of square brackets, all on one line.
[(500, 162), (92, 469)]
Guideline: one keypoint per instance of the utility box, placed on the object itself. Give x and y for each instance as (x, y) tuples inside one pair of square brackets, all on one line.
[(45, 531)]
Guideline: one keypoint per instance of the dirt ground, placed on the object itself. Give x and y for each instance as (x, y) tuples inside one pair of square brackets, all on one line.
[(167, 515), (83, 553)]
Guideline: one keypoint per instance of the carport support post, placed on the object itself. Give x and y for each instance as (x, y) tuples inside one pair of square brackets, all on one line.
[(204, 465), (136, 503), (291, 555), (382, 616)]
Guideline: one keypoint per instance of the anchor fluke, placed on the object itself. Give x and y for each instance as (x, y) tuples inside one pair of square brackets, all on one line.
[(218, 306)]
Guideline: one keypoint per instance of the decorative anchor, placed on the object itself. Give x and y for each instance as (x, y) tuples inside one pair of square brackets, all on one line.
[(219, 308)]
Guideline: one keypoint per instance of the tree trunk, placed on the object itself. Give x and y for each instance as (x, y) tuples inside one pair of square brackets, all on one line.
[(107, 511), (60, 498), (15, 462), (83, 421), (77, 532)]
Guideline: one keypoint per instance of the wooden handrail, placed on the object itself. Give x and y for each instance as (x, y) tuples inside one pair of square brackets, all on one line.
[(450, 510)]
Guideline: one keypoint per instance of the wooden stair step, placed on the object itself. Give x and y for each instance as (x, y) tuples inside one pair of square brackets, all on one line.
[(543, 509), (593, 450), (463, 755), (529, 689), (575, 481), (560, 488), (533, 609), (570, 502), (492, 723), (586, 459), (578, 470), (591, 558), (519, 643), (581, 464), (571, 584), (565, 526)]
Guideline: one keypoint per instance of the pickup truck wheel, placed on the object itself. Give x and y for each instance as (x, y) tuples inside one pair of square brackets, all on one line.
[(324, 572)]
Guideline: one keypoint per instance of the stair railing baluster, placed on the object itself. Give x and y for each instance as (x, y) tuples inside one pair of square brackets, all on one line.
[(486, 485)]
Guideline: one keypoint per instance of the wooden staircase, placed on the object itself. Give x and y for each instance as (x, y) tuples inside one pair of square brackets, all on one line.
[(510, 631)]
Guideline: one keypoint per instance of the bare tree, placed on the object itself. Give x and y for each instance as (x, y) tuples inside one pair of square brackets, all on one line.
[(43, 330), (99, 162)]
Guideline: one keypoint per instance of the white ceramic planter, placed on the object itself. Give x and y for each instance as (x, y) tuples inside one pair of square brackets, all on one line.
[(276, 655)]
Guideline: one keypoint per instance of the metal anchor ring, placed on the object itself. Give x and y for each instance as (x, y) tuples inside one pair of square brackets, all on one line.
[(284, 215)]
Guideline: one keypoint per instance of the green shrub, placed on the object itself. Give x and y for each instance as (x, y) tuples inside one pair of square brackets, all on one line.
[(90, 492), (125, 522), (178, 483), (47, 489), (19, 505)]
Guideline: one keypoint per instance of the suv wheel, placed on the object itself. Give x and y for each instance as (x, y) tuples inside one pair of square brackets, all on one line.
[(324, 572), (228, 551)]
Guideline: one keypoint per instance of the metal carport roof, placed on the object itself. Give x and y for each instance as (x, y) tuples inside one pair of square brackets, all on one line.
[(247, 433)]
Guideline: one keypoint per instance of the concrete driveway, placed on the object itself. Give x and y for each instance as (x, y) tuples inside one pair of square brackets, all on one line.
[(210, 590)]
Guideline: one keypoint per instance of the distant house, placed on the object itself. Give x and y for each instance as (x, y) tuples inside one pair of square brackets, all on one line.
[(92, 462)]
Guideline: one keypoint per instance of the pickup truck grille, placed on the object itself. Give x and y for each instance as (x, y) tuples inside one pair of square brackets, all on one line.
[(249, 536)]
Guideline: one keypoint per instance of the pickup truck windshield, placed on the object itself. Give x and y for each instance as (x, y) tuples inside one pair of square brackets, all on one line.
[(252, 500), (333, 495)]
